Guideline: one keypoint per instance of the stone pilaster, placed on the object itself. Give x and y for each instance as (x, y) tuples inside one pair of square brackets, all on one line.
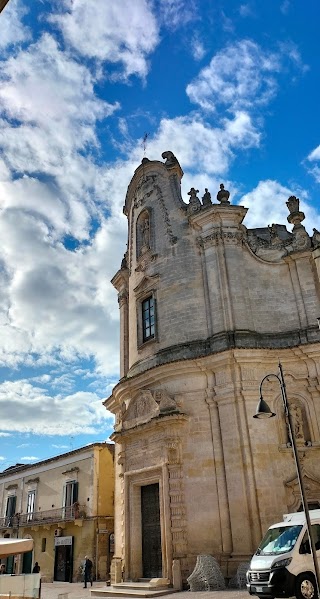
[(120, 281), (220, 472)]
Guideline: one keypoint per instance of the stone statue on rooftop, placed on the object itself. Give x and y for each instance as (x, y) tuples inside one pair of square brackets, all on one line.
[(124, 263), (206, 198), (293, 204), (194, 202), (223, 195), (169, 157), (316, 238), (295, 217)]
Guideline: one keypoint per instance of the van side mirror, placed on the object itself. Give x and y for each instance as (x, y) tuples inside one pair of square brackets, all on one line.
[(305, 546)]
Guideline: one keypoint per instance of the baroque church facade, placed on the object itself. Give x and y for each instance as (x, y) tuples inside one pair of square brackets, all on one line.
[(208, 307)]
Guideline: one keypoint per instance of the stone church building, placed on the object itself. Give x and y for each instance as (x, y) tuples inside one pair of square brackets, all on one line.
[(208, 307)]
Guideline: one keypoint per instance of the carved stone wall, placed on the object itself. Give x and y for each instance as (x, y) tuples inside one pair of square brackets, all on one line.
[(229, 303)]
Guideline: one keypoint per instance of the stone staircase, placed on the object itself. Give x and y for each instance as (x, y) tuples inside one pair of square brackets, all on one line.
[(155, 587)]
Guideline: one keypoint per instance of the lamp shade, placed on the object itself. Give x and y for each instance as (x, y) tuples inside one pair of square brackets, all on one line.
[(263, 410)]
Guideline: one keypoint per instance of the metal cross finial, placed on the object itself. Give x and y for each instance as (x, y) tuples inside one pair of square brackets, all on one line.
[(144, 143)]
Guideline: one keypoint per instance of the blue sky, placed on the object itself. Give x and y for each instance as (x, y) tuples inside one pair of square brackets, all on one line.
[(231, 88)]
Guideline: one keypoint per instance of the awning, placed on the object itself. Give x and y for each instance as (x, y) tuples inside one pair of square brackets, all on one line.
[(14, 546)]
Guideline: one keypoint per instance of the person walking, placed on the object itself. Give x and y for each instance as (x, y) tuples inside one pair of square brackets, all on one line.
[(36, 568), (87, 571)]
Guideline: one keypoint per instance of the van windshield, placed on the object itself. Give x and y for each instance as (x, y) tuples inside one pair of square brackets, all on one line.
[(279, 540)]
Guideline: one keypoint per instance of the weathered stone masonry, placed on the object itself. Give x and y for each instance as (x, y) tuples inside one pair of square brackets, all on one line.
[(228, 302)]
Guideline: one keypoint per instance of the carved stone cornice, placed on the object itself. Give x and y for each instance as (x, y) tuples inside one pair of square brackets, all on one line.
[(121, 279), (148, 283), (164, 421), (225, 341), (32, 481), (71, 471), (219, 236), (11, 487), (224, 217)]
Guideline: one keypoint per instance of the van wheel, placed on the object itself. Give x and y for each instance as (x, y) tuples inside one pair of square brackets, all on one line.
[(306, 586)]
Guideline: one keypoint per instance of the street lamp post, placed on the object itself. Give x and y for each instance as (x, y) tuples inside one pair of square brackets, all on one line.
[(263, 411)]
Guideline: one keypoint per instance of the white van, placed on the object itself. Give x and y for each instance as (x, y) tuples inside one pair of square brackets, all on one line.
[(283, 566)]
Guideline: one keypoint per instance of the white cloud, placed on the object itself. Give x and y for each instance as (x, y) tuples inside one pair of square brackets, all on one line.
[(5, 434), (176, 13), (314, 155), (59, 446), (267, 205), (2, 458), (227, 24), (125, 32), (237, 76), (43, 84), (50, 101), (27, 408), (50, 111), (245, 10), (197, 48), (201, 148), (12, 29), (29, 458)]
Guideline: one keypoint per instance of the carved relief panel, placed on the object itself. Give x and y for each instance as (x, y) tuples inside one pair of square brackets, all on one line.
[(293, 493), (146, 406), (300, 420)]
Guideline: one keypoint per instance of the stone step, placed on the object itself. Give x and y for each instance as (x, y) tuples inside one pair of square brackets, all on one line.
[(147, 583), (127, 591)]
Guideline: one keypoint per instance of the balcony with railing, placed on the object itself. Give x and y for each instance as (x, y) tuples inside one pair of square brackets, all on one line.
[(61, 514)]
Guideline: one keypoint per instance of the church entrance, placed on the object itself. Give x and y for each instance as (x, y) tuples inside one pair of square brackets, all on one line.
[(151, 532)]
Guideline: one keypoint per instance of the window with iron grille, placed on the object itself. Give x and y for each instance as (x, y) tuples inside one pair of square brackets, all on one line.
[(148, 321)]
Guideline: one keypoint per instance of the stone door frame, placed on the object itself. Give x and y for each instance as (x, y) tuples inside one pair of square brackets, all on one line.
[(134, 480)]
